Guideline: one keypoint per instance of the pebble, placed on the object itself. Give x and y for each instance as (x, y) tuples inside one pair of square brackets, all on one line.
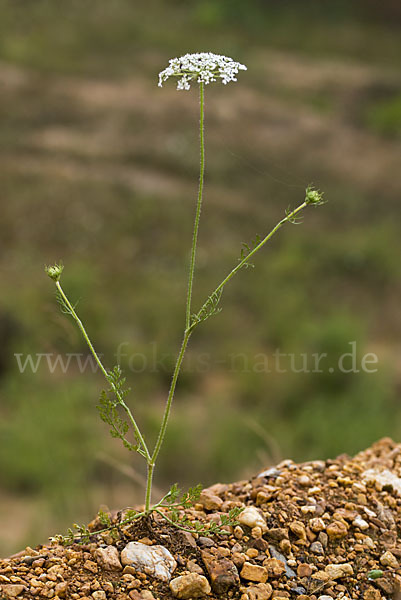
[(108, 558), (298, 529), (12, 590), (222, 572), (251, 517), (99, 595), (304, 570), (316, 548), (338, 571), (261, 591), (336, 530), (253, 572), (190, 586), (155, 561), (389, 560), (91, 566), (360, 523), (317, 524), (275, 567), (209, 500), (288, 571), (372, 594)]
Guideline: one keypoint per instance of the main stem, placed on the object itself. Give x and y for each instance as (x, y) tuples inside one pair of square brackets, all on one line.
[(199, 202), (187, 333)]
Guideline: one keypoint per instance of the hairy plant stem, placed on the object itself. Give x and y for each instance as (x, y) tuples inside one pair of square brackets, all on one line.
[(144, 450), (187, 333), (290, 216), (167, 410), (199, 202)]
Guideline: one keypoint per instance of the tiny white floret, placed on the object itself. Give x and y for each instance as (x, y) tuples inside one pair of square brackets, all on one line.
[(201, 67)]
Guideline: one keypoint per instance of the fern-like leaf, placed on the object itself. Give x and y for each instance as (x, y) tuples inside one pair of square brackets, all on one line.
[(208, 309)]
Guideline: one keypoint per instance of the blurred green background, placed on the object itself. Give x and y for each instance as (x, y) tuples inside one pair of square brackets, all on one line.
[(99, 168)]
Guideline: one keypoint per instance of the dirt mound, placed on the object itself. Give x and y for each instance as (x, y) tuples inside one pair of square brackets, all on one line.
[(321, 529)]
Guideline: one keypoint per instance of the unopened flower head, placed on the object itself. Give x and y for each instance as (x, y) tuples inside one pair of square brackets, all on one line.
[(313, 196), (54, 271), (202, 67)]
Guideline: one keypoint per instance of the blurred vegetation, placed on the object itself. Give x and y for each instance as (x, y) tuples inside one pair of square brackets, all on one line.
[(99, 166)]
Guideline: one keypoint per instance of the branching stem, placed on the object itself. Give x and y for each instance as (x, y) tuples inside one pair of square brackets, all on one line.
[(290, 216)]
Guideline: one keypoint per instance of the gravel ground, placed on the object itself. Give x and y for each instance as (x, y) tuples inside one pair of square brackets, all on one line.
[(316, 530)]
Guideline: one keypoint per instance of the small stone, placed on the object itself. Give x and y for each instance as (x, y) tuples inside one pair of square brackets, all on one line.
[(108, 558), (325, 597), (61, 589), (205, 542), (251, 517), (260, 591), (91, 566), (285, 546), (316, 548), (193, 567), (99, 595), (254, 572), (372, 594), (304, 480), (389, 560), (260, 544), (337, 571), (386, 584), (108, 587), (190, 586), (222, 572), (147, 595), (317, 524), (298, 529), (256, 532), (12, 590), (238, 532), (155, 561), (276, 534), (275, 567), (360, 523), (336, 530), (209, 500), (304, 570), (274, 554)]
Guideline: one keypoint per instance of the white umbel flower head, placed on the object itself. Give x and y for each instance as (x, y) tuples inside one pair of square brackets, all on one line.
[(202, 67)]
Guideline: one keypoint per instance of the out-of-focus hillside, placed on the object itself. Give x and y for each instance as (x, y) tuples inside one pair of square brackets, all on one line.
[(99, 167)]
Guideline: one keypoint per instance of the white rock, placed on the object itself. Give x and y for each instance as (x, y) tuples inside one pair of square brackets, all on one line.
[(360, 523), (252, 518), (155, 561), (99, 595), (190, 586)]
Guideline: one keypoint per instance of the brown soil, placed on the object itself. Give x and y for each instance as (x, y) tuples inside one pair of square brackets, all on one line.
[(328, 525)]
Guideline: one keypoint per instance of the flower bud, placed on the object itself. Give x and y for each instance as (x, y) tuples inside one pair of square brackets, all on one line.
[(313, 196), (54, 271)]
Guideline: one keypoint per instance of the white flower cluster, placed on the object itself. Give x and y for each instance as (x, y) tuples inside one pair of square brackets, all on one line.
[(202, 67)]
